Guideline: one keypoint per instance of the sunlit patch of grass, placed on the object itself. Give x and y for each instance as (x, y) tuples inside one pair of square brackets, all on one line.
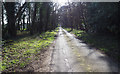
[(78, 33), (74, 31), (104, 49), (22, 64), (18, 53), (68, 29)]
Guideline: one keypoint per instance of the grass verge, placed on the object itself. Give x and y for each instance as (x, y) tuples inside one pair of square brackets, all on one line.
[(106, 43), (18, 53)]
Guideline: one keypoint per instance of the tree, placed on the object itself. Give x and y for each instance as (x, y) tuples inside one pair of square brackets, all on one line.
[(33, 20), (40, 17), (103, 17), (10, 9)]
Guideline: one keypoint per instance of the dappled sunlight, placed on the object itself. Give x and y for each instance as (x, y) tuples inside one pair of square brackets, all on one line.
[(24, 48), (59, 36)]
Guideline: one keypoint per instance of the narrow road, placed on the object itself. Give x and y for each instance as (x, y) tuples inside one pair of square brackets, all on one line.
[(72, 55)]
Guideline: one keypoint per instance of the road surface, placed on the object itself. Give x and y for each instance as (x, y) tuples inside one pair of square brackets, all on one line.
[(72, 55), (68, 54)]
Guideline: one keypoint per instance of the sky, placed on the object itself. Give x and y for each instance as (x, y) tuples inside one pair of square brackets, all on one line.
[(61, 2)]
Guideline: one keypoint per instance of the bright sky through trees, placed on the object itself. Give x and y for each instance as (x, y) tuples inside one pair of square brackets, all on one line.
[(61, 2)]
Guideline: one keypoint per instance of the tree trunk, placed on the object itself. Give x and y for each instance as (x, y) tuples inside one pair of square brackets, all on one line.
[(2, 17), (23, 22), (10, 9), (27, 24), (18, 25), (33, 20), (29, 18), (41, 21), (47, 17)]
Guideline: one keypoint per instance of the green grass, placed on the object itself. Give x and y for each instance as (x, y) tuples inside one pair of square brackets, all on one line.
[(68, 29), (106, 43), (17, 53)]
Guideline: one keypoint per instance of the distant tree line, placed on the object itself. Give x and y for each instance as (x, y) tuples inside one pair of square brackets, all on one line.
[(93, 17), (35, 17)]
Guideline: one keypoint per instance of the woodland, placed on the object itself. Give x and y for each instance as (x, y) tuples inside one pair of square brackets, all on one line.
[(29, 27)]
